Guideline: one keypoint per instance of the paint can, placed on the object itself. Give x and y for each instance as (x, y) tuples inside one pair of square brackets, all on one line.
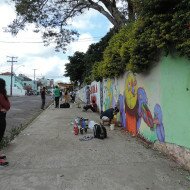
[(112, 126)]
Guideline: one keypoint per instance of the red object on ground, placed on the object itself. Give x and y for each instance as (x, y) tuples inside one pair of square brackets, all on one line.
[(76, 129)]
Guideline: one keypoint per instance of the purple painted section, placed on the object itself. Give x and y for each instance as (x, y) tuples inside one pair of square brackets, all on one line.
[(122, 110), (159, 125)]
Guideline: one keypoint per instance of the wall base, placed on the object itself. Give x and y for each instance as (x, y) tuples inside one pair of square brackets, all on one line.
[(180, 154)]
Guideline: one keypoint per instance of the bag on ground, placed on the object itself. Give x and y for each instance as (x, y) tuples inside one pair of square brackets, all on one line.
[(65, 105), (99, 131)]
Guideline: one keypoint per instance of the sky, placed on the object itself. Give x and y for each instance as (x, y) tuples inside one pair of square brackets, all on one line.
[(43, 60)]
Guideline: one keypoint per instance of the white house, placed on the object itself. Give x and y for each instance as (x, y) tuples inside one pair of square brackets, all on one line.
[(17, 84)]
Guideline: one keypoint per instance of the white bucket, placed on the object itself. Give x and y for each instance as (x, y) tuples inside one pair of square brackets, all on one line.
[(112, 127)]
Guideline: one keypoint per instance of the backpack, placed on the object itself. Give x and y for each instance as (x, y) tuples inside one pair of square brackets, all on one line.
[(99, 131)]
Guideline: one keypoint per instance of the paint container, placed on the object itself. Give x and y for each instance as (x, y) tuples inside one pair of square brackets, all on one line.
[(112, 126)]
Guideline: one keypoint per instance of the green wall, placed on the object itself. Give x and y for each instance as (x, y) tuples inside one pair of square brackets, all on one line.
[(175, 99)]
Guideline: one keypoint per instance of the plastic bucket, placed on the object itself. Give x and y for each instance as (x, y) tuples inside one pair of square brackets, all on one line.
[(112, 127)]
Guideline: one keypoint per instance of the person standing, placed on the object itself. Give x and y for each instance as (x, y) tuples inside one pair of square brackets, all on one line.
[(61, 95), (43, 97), (66, 96), (4, 107), (56, 93)]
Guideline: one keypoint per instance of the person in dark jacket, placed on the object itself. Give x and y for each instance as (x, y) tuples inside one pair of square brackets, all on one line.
[(109, 114), (92, 106), (4, 107), (43, 97)]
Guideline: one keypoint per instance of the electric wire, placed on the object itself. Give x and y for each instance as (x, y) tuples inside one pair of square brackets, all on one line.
[(40, 42)]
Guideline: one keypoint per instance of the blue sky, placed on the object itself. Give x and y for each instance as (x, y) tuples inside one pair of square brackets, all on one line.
[(91, 26)]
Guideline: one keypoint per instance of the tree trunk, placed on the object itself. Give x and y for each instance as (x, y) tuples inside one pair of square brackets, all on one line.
[(114, 15), (131, 14)]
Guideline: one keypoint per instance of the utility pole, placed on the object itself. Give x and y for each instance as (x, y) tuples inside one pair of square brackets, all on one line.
[(34, 77), (12, 61)]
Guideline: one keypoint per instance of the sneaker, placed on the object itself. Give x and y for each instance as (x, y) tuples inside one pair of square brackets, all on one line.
[(3, 156), (3, 162)]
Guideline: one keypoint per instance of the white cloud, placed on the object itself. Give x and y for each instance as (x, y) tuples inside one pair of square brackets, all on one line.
[(84, 21), (82, 44), (52, 67), (35, 55)]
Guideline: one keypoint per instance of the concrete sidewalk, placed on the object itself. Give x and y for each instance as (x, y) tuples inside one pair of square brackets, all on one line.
[(48, 156)]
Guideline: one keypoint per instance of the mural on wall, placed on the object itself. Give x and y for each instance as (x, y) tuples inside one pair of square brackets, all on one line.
[(108, 94), (101, 97), (159, 124), (115, 94), (93, 91), (136, 109), (131, 103), (135, 114), (143, 110), (122, 110)]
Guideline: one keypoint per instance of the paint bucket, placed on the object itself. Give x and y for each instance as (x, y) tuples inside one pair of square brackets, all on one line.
[(112, 126)]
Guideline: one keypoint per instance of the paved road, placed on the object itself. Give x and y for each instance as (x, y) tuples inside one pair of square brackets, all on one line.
[(48, 156), (23, 110)]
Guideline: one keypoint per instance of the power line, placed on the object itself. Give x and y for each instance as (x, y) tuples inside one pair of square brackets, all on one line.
[(40, 42)]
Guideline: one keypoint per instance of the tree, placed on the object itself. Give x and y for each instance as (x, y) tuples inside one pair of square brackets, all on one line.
[(52, 16), (95, 52), (76, 67), (161, 28)]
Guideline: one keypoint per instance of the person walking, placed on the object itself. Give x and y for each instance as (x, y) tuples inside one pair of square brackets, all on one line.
[(43, 97), (56, 93), (4, 107)]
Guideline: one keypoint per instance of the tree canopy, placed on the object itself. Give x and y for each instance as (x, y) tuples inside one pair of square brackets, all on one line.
[(52, 16), (84, 62), (161, 27), (75, 69)]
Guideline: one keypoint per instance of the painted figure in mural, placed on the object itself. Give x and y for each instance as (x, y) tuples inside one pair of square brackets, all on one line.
[(143, 110), (108, 93), (115, 94), (122, 110), (158, 122), (131, 103)]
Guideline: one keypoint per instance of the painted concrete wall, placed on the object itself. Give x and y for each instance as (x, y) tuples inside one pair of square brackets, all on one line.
[(175, 99), (155, 104), (94, 93)]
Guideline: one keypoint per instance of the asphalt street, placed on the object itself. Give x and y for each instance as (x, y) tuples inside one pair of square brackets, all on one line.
[(23, 110), (48, 156)]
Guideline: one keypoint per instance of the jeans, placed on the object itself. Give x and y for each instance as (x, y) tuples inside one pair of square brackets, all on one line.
[(43, 103)]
